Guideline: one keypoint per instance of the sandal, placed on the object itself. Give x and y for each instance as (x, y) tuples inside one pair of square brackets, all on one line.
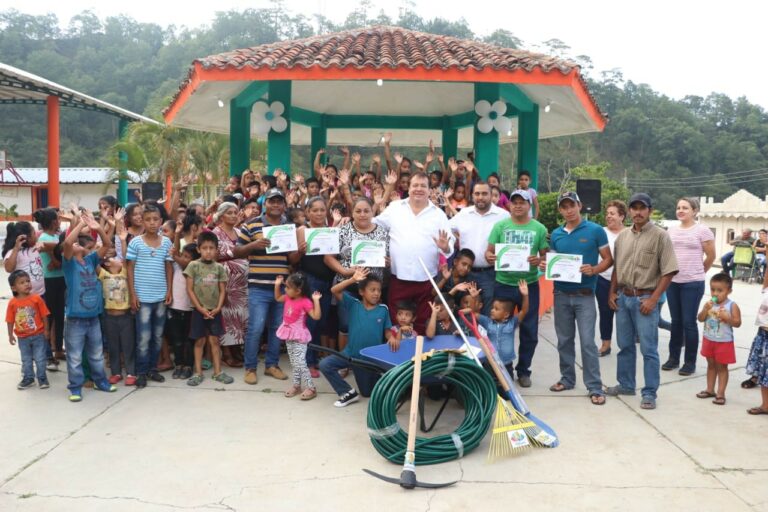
[(648, 403), (597, 399), (756, 410), (705, 394), (749, 383), (309, 394), (292, 391), (720, 400), (558, 387)]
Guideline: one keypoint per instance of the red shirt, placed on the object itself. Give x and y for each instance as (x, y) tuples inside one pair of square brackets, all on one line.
[(27, 315)]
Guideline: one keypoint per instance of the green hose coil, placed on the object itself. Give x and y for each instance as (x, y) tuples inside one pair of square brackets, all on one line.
[(475, 388)]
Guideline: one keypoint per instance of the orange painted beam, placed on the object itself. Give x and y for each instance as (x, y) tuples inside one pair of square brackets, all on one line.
[(53, 150)]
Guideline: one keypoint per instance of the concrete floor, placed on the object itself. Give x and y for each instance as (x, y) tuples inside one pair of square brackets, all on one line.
[(246, 448)]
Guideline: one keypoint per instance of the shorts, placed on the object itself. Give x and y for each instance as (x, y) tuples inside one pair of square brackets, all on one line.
[(200, 327), (723, 352)]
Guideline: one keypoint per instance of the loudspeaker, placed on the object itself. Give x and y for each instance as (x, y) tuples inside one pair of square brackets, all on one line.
[(589, 192), (152, 191)]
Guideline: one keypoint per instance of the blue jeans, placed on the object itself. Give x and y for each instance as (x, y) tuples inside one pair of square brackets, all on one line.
[(572, 311), (263, 311), (529, 327), (317, 327), (683, 302), (33, 349), (727, 262), (330, 367), (632, 324), (606, 313), (150, 322), (485, 281), (82, 337)]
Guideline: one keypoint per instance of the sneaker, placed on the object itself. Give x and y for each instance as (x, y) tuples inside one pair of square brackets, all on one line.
[(671, 364), (223, 378), (114, 379), (155, 376), (275, 372), (52, 365), (44, 384), (130, 380), (687, 369), (141, 381), (618, 390), (314, 372), (251, 377), (105, 386), (26, 384), (195, 380), (177, 372), (75, 396), (186, 372), (347, 398)]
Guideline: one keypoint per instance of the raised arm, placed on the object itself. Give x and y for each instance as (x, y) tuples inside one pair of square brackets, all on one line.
[(359, 275)]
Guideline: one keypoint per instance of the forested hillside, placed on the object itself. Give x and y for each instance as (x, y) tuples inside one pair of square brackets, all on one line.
[(697, 146)]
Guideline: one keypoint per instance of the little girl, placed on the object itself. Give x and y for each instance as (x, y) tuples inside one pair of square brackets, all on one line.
[(757, 362), (720, 316), (294, 330)]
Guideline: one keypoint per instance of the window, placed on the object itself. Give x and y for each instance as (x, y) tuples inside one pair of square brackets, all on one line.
[(729, 235)]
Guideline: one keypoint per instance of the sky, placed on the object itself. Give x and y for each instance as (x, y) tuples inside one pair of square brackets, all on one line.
[(678, 47)]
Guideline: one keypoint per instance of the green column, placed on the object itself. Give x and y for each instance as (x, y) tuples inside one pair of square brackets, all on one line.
[(528, 144), (122, 156), (319, 141), (486, 144), (450, 145), (279, 144), (239, 138)]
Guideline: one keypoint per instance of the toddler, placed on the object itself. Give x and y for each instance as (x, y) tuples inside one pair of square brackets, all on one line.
[(27, 318)]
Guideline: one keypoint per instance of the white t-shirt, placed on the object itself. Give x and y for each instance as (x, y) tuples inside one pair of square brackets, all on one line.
[(29, 261), (473, 230), (606, 274)]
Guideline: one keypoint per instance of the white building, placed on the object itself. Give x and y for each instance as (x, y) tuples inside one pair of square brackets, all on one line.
[(737, 212)]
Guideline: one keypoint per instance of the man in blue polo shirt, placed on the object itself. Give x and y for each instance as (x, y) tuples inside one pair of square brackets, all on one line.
[(575, 302)]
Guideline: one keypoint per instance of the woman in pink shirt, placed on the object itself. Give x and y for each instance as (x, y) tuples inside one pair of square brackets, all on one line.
[(695, 250)]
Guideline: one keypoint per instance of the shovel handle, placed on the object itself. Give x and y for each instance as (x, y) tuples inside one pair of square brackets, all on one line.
[(410, 458)]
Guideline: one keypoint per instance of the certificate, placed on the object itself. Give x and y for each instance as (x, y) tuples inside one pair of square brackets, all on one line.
[(322, 241), (282, 238), (368, 253), (563, 267), (513, 257)]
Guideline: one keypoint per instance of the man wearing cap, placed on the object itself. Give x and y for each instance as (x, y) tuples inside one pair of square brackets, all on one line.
[(263, 269), (575, 302), (520, 229), (644, 264), (472, 226)]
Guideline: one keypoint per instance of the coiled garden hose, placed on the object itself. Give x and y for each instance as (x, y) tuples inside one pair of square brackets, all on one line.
[(475, 388)]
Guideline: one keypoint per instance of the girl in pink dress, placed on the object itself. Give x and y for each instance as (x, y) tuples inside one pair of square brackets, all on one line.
[(293, 330)]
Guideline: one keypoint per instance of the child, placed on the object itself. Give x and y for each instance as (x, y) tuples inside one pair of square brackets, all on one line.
[(501, 324), (454, 281), (440, 322), (293, 330), (85, 303), (180, 313), (297, 216), (27, 317), (206, 283), (473, 301), (149, 280), (369, 323), (119, 323), (406, 314), (524, 183), (720, 316)]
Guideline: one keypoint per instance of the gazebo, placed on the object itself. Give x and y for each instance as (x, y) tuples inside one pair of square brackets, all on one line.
[(350, 87)]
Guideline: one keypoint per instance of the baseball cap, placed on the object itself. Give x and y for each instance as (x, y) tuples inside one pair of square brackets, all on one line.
[(641, 197), (522, 193), (274, 192), (566, 196)]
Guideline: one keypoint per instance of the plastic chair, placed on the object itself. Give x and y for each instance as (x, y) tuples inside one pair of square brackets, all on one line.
[(745, 263)]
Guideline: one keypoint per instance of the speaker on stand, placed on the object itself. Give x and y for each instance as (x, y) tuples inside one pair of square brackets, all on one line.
[(589, 192)]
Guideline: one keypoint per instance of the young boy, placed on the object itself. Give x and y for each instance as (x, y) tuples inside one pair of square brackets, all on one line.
[(473, 301), (406, 314), (719, 315), (501, 324), (454, 281), (84, 305), (119, 323), (524, 183), (440, 322), (27, 317), (149, 280), (369, 323), (206, 289)]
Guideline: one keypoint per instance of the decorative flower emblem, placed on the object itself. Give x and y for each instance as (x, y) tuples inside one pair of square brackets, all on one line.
[(266, 117), (492, 116)]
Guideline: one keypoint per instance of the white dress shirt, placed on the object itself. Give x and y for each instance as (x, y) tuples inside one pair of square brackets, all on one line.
[(474, 228), (412, 236)]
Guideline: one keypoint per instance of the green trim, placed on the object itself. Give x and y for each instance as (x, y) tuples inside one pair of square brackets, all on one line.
[(516, 98), (251, 94), (383, 122), (486, 145), (528, 144), (122, 157), (307, 117), (239, 138), (279, 144), (450, 144), (462, 120), (319, 141)]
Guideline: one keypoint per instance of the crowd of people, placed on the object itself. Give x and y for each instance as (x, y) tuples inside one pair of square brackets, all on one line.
[(126, 294)]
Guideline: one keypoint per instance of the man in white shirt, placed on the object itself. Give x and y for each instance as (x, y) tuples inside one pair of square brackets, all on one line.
[(417, 228), (472, 225)]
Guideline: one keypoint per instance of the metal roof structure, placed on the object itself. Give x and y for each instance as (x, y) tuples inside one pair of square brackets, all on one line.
[(69, 175), (18, 87)]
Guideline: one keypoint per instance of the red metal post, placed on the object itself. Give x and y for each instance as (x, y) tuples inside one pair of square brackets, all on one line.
[(53, 151)]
